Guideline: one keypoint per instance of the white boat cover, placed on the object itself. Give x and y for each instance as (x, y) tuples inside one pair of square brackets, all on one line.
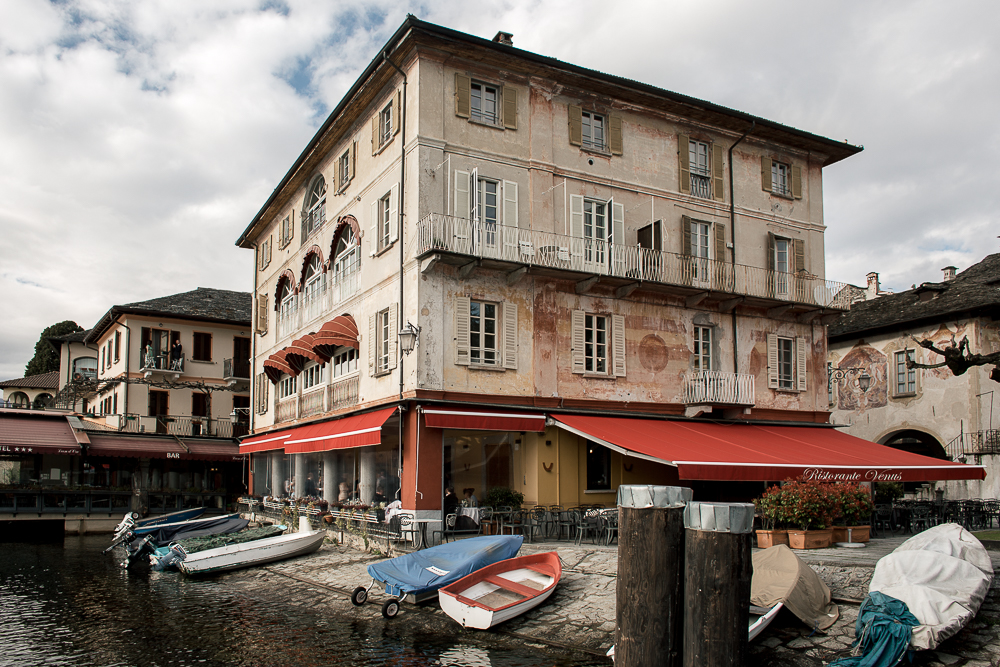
[(942, 574), (781, 576)]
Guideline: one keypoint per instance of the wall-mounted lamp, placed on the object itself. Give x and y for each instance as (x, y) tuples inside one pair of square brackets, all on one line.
[(408, 336), (864, 382), (234, 416)]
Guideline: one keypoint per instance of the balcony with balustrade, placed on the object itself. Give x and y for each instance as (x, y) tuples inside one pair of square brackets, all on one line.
[(315, 305), (468, 244), (340, 394), (160, 365), (236, 373)]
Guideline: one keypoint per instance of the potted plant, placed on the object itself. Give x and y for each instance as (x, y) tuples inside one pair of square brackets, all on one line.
[(808, 510), (770, 509), (854, 507)]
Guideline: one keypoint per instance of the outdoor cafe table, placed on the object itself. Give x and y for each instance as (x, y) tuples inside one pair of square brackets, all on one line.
[(471, 512)]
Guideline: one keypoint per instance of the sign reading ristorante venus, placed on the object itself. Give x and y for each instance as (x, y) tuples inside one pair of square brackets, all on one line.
[(870, 475)]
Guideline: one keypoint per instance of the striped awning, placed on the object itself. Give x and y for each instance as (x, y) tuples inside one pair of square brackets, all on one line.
[(340, 331)]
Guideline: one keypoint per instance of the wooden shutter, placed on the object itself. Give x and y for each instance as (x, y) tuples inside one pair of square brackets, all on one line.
[(618, 340), (686, 235), (474, 195), (796, 181), (720, 241), (372, 345), (462, 202), (394, 336), (772, 277), (463, 95), (352, 160), (615, 134), (576, 216), (772, 361), (394, 214), (375, 133), (765, 173), (374, 227), (397, 116), (717, 188), (617, 222), (509, 335), (462, 308), (575, 125), (510, 204), (800, 254), (261, 313), (510, 107), (578, 323), (684, 155), (800, 363), (336, 176)]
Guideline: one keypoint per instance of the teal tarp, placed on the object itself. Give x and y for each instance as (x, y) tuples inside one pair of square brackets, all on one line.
[(882, 631)]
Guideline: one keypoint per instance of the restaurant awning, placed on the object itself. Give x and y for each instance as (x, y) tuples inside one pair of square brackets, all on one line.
[(483, 420), (355, 431), (145, 447), (749, 452), (264, 442), (204, 450), (36, 433)]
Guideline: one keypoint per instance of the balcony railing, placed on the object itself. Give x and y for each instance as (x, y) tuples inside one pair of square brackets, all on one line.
[(974, 443), (287, 409), (236, 370), (717, 388), (311, 403), (443, 233), (343, 393), (162, 362), (318, 301), (338, 395), (182, 426)]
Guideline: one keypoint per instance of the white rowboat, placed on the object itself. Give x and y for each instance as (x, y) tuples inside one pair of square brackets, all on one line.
[(249, 554)]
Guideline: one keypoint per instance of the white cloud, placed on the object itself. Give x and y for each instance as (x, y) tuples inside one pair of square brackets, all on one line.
[(140, 138)]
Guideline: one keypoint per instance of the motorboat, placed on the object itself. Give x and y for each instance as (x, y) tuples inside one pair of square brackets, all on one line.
[(136, 547), (250, 554), (167, 557), (499, 592), (417, 577), (132, 518)]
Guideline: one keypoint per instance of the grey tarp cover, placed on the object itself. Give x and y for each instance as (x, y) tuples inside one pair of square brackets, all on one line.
[(780, 576), (942, 574)]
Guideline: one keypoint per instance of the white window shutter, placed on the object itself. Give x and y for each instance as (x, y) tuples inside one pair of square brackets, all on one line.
[(352, 159), (374, 240), (510, 335), (510, 204), (396, 114), (576, 216), (375, 133), (772, 361), (394, 333), (617, 222), (800, 363), (462, 307), (684, 157), (579, 322), (474, 198), (336, 176), (372, 344), (618, 331), (461, 195), (394, 213)]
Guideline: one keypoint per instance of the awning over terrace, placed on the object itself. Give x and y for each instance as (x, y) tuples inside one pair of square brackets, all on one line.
[(35, 432), (264, 442), (748, 452), (478, 419), (362, 430)]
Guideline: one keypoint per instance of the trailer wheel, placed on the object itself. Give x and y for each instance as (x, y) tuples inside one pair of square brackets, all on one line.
[(390, 608), (359, 596)]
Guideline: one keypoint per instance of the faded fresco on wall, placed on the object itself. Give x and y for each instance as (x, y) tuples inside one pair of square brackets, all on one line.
[(860, 363)]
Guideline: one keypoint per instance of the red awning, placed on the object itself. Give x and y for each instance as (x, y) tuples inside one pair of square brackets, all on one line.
[(476, 419), (37, 433), (341, 330), (204, 450), (136, 447), (354, 431), (303, 349), (265, 442), (276, 365), (747, 452)]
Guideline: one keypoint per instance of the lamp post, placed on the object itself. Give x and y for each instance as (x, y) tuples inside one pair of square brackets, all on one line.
[(408, 337), (864, 380), (234, 416)]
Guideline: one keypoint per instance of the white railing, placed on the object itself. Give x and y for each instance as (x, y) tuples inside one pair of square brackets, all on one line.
[(444, 233), (344, 393), (287, 409), (311, 403), (318, 301), (717, 388)]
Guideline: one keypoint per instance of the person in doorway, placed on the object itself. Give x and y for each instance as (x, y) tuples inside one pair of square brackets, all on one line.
[(176, 352), (289, 487), (310, 486), (470, 497), (450, 501)]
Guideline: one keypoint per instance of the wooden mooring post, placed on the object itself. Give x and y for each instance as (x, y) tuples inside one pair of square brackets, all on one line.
[(716, 584), (650, 585)]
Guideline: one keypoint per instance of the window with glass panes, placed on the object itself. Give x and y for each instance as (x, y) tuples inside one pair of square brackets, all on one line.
[(385, 124), (593, 130), (488, 203), (786, 363), (483, 333), (344, 168), (383, 221), (384, 340), (781, 178), (314, 279), (701, 184), (483, 103), (595, 343), (702, 348), (344, 362), (906, 378), (286, 386), (781, 249), (312, 375), (316, 206), (595, 230), (700, 249)]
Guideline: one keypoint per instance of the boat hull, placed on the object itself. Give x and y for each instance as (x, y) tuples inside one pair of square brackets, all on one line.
[(250, 554)]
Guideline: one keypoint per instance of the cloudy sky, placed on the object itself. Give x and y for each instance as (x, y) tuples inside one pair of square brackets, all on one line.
[(139, 137)]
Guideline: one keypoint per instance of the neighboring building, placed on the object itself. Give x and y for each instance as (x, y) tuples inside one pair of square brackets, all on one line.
[(557, 246), (927, 411), (78, 363), (35, 391)]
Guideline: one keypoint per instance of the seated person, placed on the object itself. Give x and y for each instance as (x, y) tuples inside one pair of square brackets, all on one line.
[(470, 497), (379, 496)]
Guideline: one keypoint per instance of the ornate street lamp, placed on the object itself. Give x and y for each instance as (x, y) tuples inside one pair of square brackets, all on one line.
[(408, 336)]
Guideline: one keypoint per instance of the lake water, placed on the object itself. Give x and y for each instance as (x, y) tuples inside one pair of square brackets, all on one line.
[(65, 603)]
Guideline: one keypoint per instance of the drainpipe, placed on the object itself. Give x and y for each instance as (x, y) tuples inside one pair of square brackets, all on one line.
[(399, 221), (128, 340), (732, 236)]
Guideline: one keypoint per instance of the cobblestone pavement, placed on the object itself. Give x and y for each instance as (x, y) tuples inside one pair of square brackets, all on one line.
[(580, 616)]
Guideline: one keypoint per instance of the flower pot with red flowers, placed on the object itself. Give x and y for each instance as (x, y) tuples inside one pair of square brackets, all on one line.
[(770, 510), (853, 506), (808, 510)]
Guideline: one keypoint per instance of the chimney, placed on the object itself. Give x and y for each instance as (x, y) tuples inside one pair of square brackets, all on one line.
[(872, 290), (504, 38), (949, 273)]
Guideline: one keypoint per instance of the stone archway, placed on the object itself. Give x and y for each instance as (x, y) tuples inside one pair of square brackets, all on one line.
[(916, 442)]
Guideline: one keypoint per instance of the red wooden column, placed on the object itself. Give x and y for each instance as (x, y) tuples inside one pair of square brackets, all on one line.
[(422, 463)]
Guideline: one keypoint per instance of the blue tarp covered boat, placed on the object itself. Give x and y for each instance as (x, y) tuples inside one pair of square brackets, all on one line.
[(419, 575)]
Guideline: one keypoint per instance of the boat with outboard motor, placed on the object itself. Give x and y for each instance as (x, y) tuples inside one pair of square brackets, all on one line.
[(249, 554), (167, 557)]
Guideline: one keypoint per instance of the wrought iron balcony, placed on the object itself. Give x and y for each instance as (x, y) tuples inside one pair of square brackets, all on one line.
[(161, 364), (339, 394), (717, 388), (183, 426), (235, 370), (974, 443), (500, 244)]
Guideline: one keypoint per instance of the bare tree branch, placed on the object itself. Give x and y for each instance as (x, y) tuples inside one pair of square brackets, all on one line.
[(957, 357)]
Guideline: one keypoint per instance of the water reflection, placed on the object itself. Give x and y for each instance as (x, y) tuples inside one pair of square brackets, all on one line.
[(67, 604)]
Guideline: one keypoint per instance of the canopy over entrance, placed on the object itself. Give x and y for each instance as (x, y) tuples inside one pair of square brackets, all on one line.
[(748, 452), (363, 430)]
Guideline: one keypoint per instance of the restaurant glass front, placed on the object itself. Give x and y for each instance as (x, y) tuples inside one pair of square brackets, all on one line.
[(480, 461)]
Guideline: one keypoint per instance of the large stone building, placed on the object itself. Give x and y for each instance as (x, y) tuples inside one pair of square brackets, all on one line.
[(562, 249), (927, 411)]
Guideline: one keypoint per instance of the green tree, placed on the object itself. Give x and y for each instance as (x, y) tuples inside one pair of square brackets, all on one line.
[(46, 360)]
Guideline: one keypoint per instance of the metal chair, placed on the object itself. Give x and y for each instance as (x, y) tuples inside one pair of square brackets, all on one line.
[(587, 523), (609, 525), (552, 520), (514, 520), (883, 521), (535, 522), (920, 518)]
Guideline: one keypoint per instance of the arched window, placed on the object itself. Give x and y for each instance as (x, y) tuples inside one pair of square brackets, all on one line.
[(287, 306), (314, 283), (18, 400), (347, 262), (42, 401), (85, 368), (315, 210)]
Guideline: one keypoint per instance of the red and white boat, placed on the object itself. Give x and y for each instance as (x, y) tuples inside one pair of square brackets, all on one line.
[(501, 591)]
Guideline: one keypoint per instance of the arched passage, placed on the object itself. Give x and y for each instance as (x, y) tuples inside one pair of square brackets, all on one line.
[(917, 442)]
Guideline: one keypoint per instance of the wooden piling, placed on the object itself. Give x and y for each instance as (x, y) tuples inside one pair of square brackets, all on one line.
[(650, 593), (717, 584)]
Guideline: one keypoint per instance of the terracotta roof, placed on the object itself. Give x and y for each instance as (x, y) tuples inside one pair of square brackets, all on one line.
[(41, 381), (973, 292), (204, 304)]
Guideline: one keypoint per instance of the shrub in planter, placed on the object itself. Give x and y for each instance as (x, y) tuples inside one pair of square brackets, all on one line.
[(501, 496), (808, 504)]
